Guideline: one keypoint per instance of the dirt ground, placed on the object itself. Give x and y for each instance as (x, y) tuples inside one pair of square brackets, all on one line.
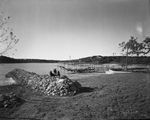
[(105, 97)]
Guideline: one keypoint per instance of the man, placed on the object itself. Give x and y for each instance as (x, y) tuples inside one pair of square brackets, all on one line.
[(52, 76), (55, 72)]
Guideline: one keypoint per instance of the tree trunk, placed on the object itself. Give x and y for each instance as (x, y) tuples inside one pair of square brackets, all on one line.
[(126, 60)]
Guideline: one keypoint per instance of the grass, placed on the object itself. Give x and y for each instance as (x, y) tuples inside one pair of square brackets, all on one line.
[(117, 96)]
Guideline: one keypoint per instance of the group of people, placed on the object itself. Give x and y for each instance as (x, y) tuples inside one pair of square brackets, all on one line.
[(55, 73)]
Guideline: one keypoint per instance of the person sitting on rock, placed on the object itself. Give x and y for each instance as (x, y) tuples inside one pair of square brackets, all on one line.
[(51, 74), (55, 72), (58, 74)]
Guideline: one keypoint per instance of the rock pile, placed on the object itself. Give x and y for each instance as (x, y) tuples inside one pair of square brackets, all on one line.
[(44, 83), (10, 100)]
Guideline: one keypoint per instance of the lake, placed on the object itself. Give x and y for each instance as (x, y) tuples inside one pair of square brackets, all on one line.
[(39, 68)]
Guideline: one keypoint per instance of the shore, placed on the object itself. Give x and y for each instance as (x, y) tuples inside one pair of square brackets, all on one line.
[(116, 96)]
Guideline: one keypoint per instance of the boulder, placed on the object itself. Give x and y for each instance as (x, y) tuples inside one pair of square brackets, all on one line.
[(20, 76), (44, 83), (10, 100)]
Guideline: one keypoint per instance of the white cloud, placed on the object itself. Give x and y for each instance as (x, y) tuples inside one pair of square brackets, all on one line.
[(139, 28)]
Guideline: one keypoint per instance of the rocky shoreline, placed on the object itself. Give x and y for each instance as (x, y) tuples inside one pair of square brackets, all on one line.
[(61, 86)]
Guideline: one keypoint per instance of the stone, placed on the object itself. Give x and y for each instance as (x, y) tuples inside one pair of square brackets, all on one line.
[(10, 100), (44, 83)]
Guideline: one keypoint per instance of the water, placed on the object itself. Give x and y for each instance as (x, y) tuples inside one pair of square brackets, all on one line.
[(39, 68), (45, 68)]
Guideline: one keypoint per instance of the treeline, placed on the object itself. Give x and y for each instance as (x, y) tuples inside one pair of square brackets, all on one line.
[(92, 59), (116, 59), (4, 59)]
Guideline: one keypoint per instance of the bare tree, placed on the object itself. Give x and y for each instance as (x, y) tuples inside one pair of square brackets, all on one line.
[(7, 38)]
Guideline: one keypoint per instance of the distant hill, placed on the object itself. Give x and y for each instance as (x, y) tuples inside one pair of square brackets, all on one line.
[(116, 59), (4, 59), (91, 59)]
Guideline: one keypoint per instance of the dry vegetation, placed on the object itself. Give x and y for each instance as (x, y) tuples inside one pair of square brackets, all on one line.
[(115, 96)]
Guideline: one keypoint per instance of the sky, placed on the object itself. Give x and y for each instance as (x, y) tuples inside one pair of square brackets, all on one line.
[(57, 29)]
